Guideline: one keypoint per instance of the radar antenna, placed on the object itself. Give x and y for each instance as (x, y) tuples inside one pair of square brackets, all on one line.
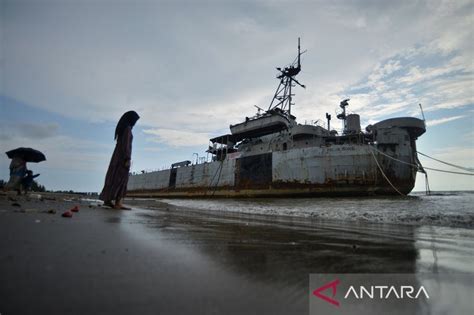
[(283, 96), (342, 116)]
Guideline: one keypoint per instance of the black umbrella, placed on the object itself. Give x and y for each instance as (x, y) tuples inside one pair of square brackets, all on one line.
[(27, 154)]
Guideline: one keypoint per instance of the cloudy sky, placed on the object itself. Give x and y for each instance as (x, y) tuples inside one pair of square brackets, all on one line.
[(69, 69)]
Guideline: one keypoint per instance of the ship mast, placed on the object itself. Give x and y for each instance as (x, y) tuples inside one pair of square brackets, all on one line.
[(283, 95)]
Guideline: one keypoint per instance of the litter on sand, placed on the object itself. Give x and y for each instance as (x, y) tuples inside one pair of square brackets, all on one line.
[(67, 214)]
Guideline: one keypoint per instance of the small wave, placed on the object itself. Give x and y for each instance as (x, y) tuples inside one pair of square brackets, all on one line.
[(443, 209), (443, 193)]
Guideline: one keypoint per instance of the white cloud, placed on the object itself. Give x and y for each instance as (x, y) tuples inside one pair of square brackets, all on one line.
[(457, 154), (153, 149), (447, 85), (28, 130), (174, 62), (435, 122), (177, 138)]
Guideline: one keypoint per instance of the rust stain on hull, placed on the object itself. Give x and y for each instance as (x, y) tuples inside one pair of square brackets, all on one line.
[(355, 188)]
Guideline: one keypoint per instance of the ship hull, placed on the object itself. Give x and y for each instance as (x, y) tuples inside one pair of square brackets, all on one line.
[(337, 170)]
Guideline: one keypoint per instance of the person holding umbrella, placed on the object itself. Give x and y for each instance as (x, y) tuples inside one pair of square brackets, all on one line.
[(116, 180), (18, 168)]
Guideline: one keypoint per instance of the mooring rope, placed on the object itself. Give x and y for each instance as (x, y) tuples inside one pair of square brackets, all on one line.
[(421, 168), (391, 157), (450, 164), (427, 184), (218, 171), (218, 178), (385, 176), (444, 171)]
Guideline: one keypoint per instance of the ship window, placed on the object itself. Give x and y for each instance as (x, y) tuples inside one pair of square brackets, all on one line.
[(284, 146)]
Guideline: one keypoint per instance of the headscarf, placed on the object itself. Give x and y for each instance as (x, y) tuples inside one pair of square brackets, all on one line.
[(127, 119)]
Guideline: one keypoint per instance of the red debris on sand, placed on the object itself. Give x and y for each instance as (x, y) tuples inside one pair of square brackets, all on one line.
[(75, 209), (67, 214)]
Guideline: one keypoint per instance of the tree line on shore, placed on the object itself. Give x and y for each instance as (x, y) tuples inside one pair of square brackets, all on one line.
[(35, 186)]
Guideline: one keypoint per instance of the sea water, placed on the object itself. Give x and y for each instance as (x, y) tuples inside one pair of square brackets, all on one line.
[(279, 242), (446, 209), (440, 225)]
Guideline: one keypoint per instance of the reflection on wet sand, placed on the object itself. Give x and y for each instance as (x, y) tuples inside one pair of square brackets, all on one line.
[(283, 252), (444, 249), (268, 245)]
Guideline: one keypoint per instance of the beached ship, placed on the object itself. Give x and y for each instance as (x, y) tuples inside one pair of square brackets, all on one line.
[(272, 155)]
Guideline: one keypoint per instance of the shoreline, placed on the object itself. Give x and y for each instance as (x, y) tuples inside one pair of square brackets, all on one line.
[(440, 210)]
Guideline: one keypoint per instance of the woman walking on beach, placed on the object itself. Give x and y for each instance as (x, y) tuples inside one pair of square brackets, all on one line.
[(116, 179)]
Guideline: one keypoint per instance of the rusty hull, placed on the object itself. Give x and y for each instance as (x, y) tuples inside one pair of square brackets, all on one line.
[(342, 170)]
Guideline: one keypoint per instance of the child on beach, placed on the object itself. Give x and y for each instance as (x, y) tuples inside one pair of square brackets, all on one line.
[(27, 181)]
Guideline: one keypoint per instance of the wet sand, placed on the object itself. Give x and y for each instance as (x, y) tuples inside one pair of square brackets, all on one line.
[(163, 259)]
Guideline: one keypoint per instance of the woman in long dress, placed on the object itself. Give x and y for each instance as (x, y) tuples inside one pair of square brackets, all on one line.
[(116, 179)]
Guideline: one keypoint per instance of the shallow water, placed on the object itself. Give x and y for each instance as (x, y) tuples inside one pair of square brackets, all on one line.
[(448, 209), (439, 227), (265, 257)]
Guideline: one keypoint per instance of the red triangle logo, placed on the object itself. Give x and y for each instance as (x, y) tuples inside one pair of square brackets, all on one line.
[(333, 285)]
